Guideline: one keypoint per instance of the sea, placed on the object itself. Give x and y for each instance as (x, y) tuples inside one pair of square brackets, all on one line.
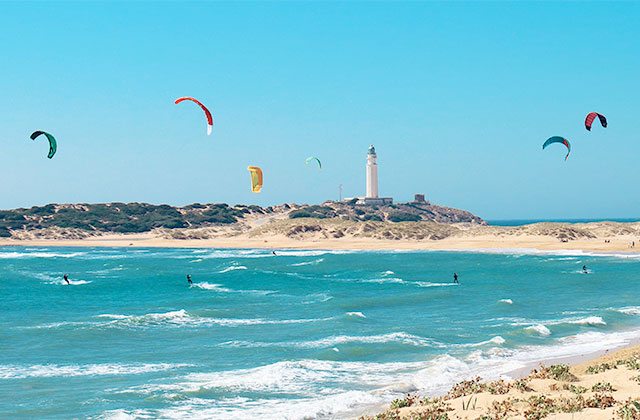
[(299, 334), (522, 222)]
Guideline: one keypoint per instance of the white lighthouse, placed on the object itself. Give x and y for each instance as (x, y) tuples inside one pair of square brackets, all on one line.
[(372, 196), (372, 173)]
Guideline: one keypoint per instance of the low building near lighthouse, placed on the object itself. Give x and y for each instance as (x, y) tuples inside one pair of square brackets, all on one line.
[(372, 197)]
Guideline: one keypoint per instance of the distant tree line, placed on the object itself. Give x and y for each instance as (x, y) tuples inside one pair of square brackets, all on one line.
[(122, 217)]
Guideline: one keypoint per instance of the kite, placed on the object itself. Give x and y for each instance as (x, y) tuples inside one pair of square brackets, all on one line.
[(256, 178), (53, 145), (591, 117), (311, 159), (558, 139), (204, 108)]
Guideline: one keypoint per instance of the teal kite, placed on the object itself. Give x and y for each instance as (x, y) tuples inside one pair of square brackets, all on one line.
[(558, 139), (311, 159), (53, 145)]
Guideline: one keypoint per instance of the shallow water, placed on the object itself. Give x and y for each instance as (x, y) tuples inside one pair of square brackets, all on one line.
[(303, 333)]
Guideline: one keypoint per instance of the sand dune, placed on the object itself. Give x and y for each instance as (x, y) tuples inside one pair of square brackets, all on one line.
[(346, 234)]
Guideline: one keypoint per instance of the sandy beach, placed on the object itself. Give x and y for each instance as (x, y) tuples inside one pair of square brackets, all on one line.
[(603, 387), (477, 239)]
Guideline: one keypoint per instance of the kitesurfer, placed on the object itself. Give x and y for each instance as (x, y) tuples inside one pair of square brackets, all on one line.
[(189, 279), (274, 253), (66, 278), (584, 269), (455, 278)]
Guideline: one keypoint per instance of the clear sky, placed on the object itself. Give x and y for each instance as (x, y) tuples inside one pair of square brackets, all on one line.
[(457, 98)]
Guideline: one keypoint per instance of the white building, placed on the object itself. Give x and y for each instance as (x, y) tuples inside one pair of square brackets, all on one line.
[(372, 197)]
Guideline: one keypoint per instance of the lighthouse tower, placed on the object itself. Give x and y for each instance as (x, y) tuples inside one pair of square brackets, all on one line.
[(372, 173), (372, 197)]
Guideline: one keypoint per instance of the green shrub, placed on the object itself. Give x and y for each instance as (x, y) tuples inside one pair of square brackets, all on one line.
[(400, 216)]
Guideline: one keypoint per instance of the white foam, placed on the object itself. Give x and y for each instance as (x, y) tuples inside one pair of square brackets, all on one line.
[(317, 388), (385, 280), (20, 255), (183, 318), (430, 284), (507, 301), (210, 286), (497, 340), (232, 268), (589, 320), (314, 262), (388, 273), (328, 342), (538, 329), (317, 298), (260, 253), (356, 314), (75, 282), (219, 288), (52, 370), (629, 310), (518, 252)]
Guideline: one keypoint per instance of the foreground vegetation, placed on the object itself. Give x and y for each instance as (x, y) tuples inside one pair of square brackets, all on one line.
[(595, 392)]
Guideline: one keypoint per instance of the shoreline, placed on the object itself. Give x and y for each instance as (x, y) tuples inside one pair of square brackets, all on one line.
[(575, 393), (480, 244)]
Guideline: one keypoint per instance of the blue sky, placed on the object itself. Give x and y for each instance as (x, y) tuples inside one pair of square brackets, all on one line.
[(457, 98)]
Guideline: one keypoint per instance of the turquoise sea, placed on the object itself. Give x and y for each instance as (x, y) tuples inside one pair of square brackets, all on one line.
[(319, 334)]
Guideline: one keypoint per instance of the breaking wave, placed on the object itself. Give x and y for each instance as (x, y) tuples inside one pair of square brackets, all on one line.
[(53, 370)]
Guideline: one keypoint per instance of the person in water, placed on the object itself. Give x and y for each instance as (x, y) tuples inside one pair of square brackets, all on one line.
[(584, 269), (66, 278), (189, 279), (455, 278)]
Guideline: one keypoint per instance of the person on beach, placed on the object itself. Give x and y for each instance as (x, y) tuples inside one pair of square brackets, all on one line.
[(66, 278), (189, 279), (455, 278)]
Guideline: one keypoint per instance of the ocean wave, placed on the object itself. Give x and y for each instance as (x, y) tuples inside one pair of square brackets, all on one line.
[(314, 262), (497, 340), (73, 282), (385, 280), (317, 298), (21, 255), (52, 370), (430, 284), (183, 318), (333, 341), (507, 301), (210, 286), (221, 289), (520, 252), (356, 314), (629, 310), (259, 253), (300, 377), (589, 320), (538, 329), (388, 273), (232, 268), (309, 388)]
